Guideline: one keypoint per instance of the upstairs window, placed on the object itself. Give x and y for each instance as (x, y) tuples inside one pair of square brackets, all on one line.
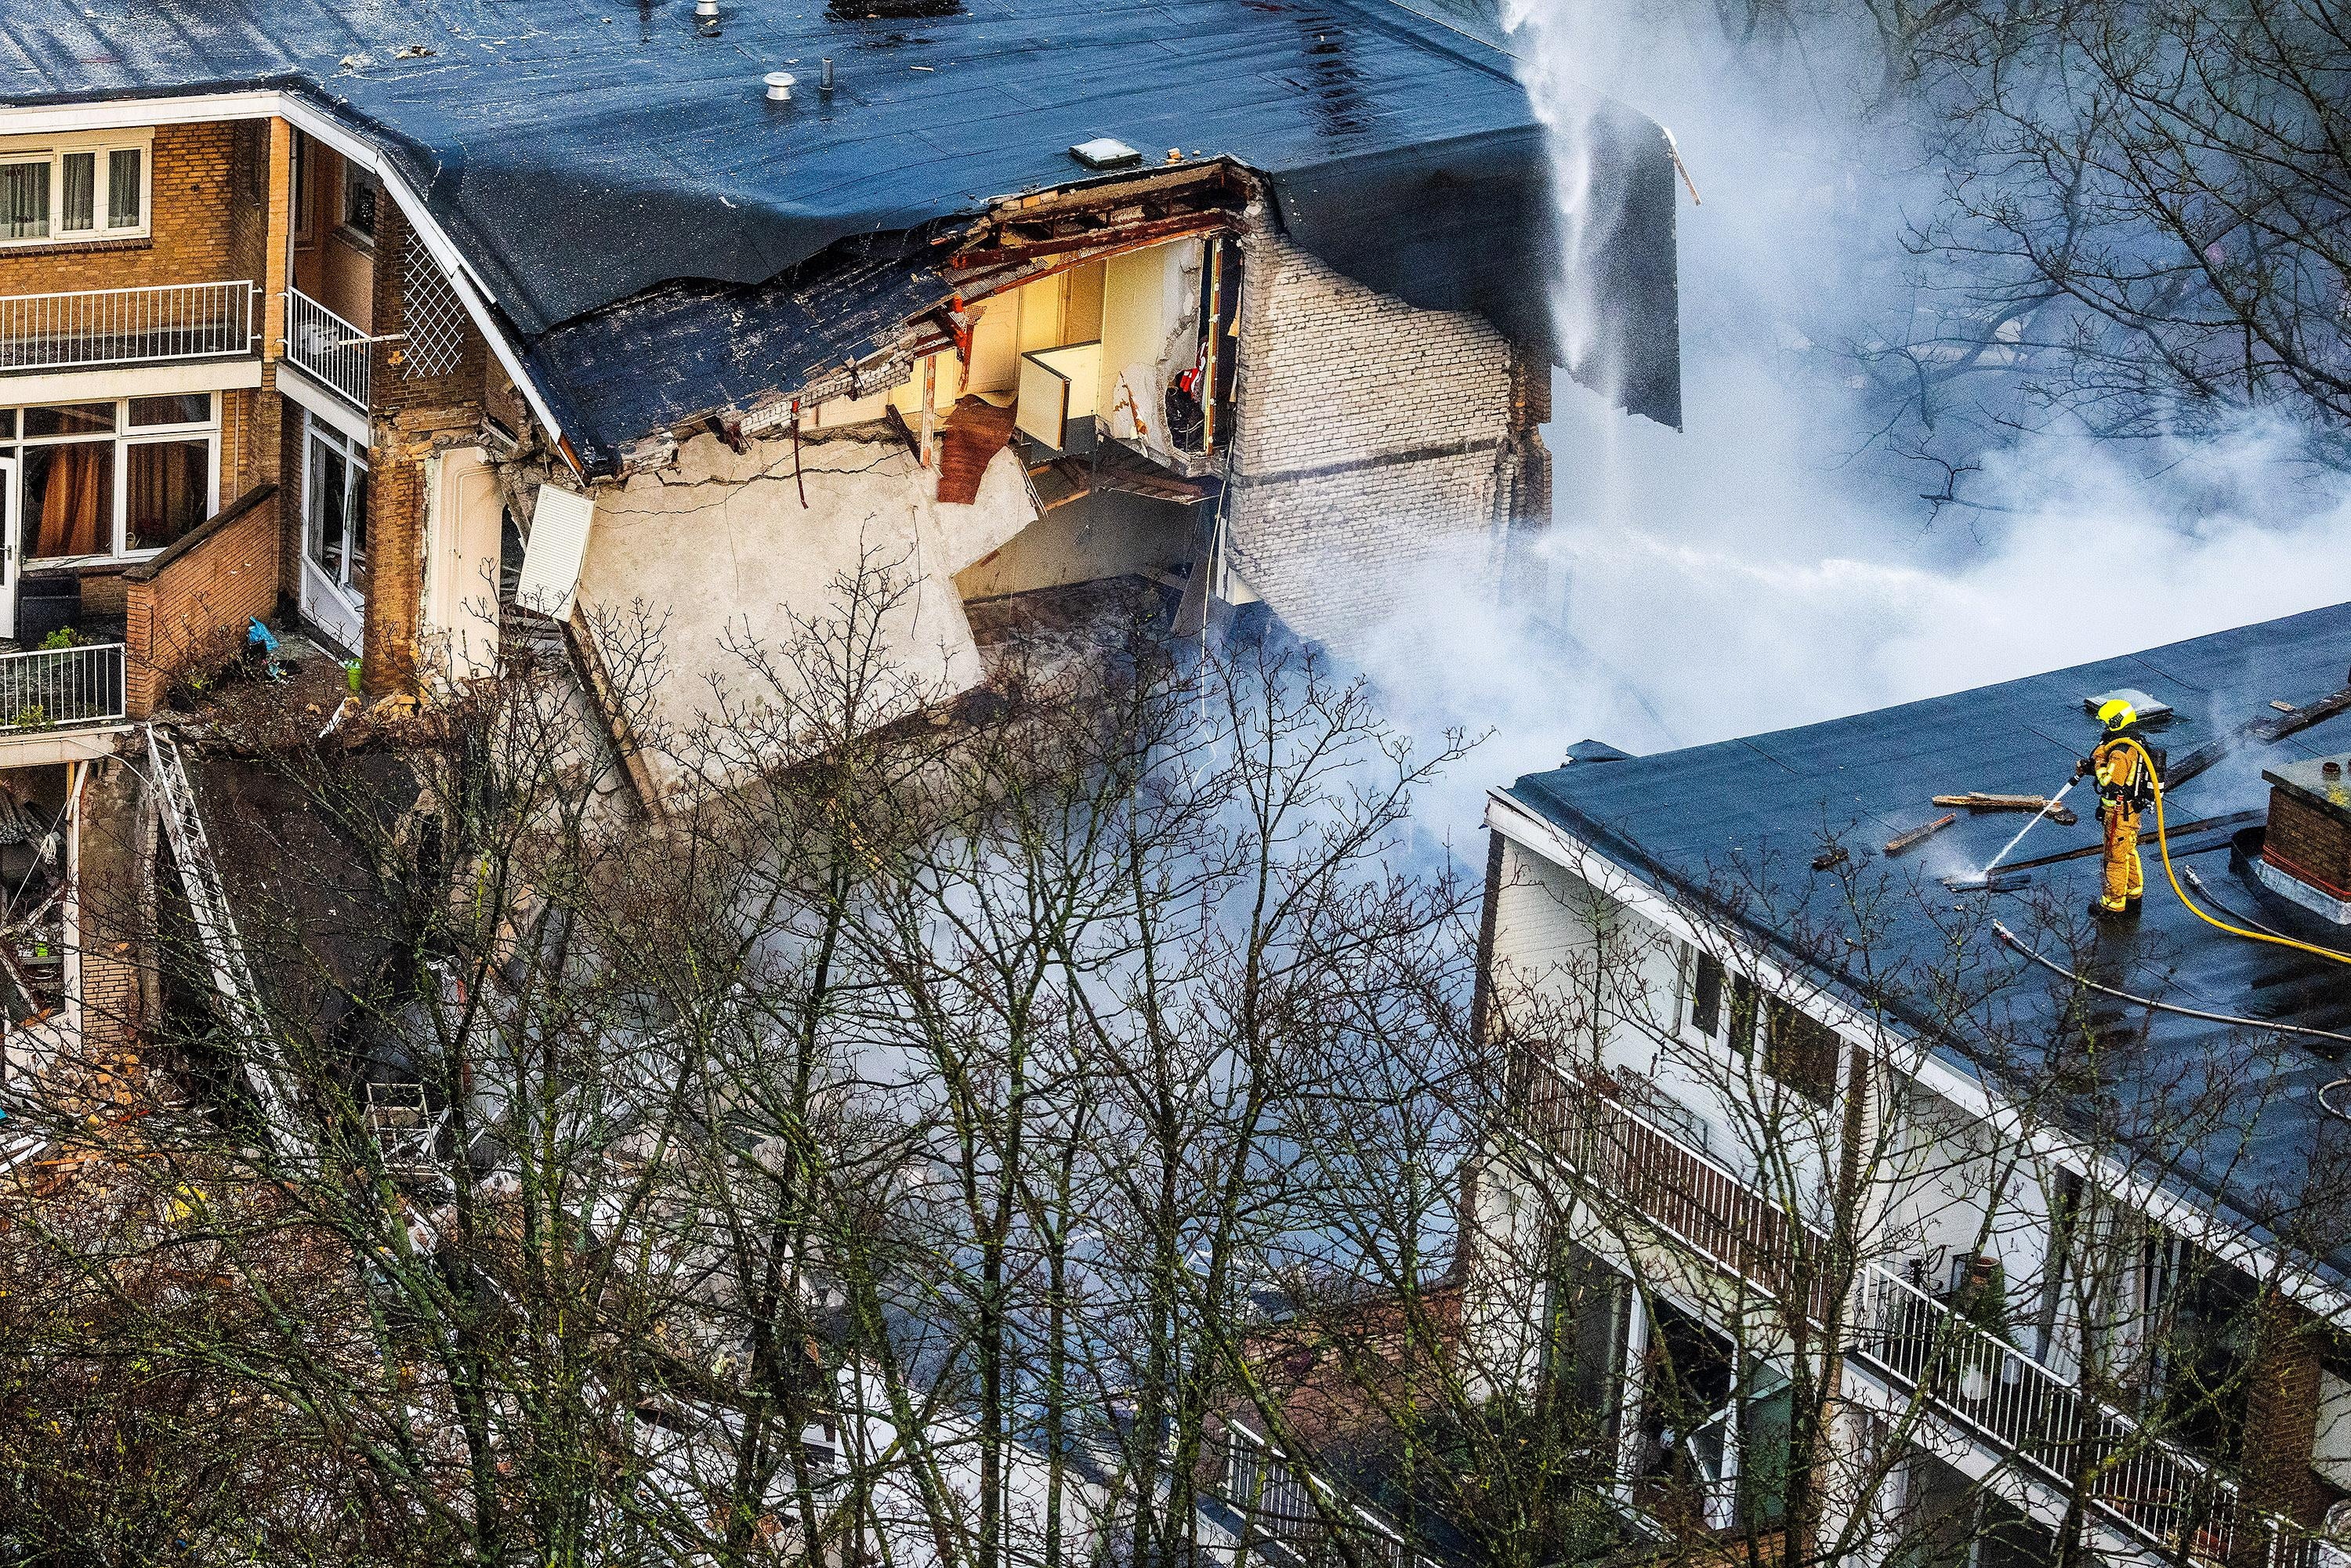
[(360, 195), (1802, 1052), (79, 190), (1706, 995)]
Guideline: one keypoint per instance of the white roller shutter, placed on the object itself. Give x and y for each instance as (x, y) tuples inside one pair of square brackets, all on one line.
[(560, 521)]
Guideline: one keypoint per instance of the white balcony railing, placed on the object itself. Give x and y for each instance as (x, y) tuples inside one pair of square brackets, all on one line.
[(93, 328), (59, 688), (1987, 1389), (1997, 1393), (330, 348), (1279, 1502)]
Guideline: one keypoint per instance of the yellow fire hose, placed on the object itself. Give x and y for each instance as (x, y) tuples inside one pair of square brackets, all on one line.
[(2163, 843)]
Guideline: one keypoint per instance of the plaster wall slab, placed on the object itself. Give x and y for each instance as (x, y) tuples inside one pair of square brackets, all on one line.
[(718, 551)]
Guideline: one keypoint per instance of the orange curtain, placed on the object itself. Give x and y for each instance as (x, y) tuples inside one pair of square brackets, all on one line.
[(166, 494), (77, 504)]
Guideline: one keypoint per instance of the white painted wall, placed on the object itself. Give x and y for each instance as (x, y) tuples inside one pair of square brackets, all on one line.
[(719, 547)]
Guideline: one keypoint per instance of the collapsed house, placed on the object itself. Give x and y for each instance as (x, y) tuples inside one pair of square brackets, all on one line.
[(2099, 1207), (688, 319)]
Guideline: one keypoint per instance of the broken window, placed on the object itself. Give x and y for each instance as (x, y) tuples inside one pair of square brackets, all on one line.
[(361, 193)]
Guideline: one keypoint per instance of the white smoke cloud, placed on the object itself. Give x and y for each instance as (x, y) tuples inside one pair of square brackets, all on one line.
[(1771, 564)]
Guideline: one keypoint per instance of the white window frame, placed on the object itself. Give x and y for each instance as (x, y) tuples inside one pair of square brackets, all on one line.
[(354, 173), (355, 453), (124, 437), (53, 151)]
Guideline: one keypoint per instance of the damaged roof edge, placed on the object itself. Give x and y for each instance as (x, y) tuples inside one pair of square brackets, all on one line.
[(1485, 239)]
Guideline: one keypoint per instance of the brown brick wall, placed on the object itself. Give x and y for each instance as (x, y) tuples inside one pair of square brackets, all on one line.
[(2314, 840), (115, 946), (192, 611), (414, 417), (198, 230), (2282, 1414)]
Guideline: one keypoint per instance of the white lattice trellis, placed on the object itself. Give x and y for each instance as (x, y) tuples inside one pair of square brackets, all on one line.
[(436, 321)]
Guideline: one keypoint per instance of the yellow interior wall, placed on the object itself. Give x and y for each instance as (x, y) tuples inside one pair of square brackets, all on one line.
[(996, 344), (906, 397), (1142, 303), (1040, 312), (1081, 302)]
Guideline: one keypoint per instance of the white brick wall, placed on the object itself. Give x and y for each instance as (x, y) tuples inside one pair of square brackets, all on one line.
[(1373, 440)]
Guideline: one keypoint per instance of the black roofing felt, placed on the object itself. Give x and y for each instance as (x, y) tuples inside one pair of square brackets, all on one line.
[(581, 153), (1681, 819)]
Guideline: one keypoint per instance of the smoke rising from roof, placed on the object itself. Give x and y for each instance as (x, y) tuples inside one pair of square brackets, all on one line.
[(1777, 561)]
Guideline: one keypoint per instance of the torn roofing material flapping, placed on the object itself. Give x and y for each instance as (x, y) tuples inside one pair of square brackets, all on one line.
[(582, 154), (1716, 823)]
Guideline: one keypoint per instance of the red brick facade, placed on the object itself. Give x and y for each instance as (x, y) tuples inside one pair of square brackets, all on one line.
[(201, 224), (187, 608), (2309, 842)]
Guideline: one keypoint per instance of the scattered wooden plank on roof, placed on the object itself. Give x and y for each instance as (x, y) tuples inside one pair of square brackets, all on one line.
[(1985, 801), (1901, 844)]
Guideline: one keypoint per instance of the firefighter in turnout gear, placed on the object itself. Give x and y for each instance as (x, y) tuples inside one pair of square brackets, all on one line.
[(2124, 789)]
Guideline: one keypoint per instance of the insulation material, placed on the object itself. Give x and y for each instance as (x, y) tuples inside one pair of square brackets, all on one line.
[(579, 160), (720, 554)]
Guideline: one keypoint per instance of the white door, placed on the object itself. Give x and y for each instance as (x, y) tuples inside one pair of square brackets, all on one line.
[(463, 517), (7, 547)]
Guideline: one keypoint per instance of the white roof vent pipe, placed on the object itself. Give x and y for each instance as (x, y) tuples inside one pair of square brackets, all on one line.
[(780, 86), (706, 17)]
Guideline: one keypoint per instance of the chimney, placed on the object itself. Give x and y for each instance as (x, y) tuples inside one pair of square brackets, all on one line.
[(2306, 848)]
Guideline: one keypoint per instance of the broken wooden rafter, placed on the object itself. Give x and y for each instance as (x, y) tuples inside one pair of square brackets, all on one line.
[(1986, 800), (1214, 180), (1108, 240), (2293, 721), (1901, 844)]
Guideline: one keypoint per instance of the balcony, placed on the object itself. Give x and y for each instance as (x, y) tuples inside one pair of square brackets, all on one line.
[(1299, 1515), (93, 329), (1983, 1390), (334, 353), (1995, 1395), (48, 689), (1673, 1187)]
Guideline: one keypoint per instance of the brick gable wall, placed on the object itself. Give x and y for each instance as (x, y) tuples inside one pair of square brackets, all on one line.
[(188, 608), (414, 417), (1375, 442)]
